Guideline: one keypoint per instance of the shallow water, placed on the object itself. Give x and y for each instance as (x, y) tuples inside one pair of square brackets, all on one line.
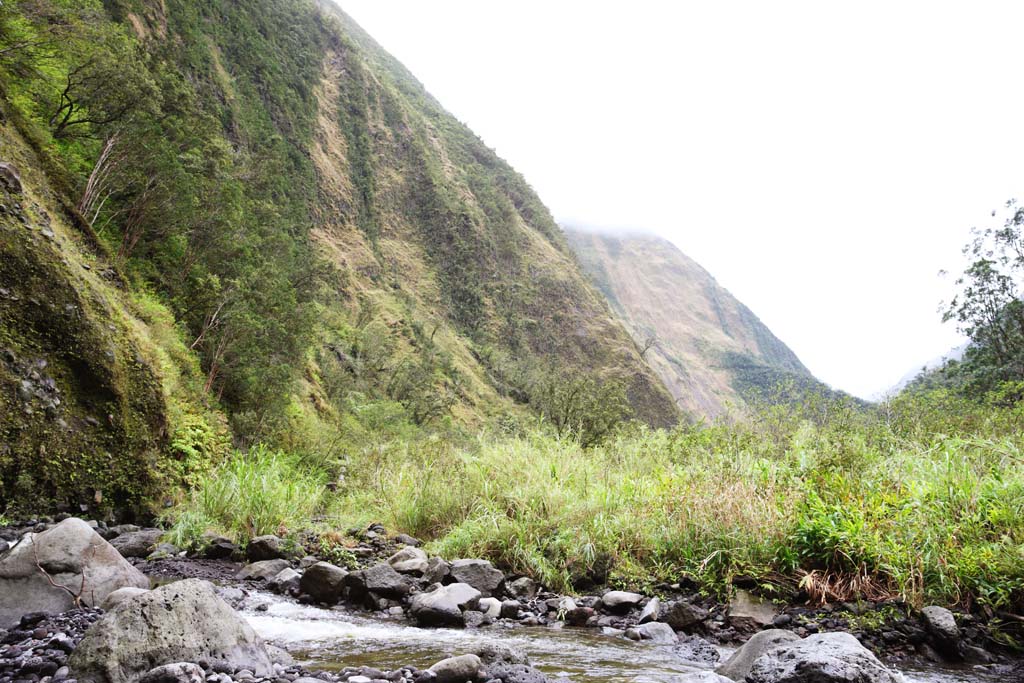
[(336, 638)]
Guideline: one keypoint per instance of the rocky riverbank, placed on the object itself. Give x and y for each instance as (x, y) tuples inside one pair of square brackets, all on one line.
[(395, 579)]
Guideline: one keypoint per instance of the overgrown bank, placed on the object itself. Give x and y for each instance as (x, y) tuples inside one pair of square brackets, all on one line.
[(921, 499)]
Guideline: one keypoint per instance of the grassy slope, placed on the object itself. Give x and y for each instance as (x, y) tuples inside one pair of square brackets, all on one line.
[(711, 348)]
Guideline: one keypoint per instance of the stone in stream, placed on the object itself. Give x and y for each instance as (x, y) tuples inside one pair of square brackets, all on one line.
[(444, 604), (324, 582), (697, 650), (262, 548), (620, 601), (380, 579), (822, 658), (409, 560), (137, 543), (491, 607), (182, 621), (63, 552), (286, 581), (479, 574), (940, 623), (457, 669), (651, 611), (515, 673), (749, 613), (263, 570), (510, 609), (738, 665), (703, 677), (654, 631)]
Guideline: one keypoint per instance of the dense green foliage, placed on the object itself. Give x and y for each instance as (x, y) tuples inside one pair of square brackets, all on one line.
[(921, 498)]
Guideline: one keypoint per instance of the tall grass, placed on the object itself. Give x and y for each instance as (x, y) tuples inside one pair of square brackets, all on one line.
[(250, 494)]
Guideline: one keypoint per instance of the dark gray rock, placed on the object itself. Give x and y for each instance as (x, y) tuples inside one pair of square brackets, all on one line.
[(437, 570), (380, 579), (137, 543), (940, 624), (749, 613), (219, 548), (286, 581), (264, 548), (444, 604), (738, 665), (683, 616), (822, 658), (181, 622), (515, 673), (10, 178), (65, 551), (697, 650), (510, 609), (324, 582), (262, 570), (479, 574), (500, 653), (523, 588)]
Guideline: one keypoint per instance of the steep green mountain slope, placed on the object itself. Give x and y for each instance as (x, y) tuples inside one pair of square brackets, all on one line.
[(285, 232), (708, 348)]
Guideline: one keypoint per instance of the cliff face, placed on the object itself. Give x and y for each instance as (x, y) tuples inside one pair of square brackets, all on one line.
[(297, 241), (707, 347)]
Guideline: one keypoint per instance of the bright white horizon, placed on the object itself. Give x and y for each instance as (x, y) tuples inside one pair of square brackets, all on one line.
[(822, 161)]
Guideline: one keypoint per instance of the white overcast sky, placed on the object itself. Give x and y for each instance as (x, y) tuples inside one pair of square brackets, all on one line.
[(823, 160)]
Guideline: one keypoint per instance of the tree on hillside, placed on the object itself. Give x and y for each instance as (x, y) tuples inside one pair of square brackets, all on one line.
[(988, 308)]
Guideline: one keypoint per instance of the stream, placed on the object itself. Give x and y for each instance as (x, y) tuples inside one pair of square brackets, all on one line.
[(335, 638)]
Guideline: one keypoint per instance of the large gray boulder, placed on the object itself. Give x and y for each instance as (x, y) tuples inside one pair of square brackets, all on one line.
[(480, 574), (264, 548), (683, 616), (380, 579), (738, 665), (444, 604), (654, 631), (64, 552), (137, 543), (821, 658), (324, 582), (181, 622), (523, 588)]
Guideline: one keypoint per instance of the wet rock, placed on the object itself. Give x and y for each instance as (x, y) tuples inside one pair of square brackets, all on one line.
[(406, 539), (457, 669), (620, 601), (479, 574), (697, 650), (650, 611), (324, 582), (500, 653), (264, 548), (703, 677), (510, 609), (182, 621), (515, 673), (120, 595), (262, 570), (380, 579), (683, 616), (180, 672), (579, 616), (822, 658), (409, 560), (64, 552), (137, 543), (738, 665), (940, 624), (748, 613), (444, 604), (286, 581), (523, 588), (654, 631)]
